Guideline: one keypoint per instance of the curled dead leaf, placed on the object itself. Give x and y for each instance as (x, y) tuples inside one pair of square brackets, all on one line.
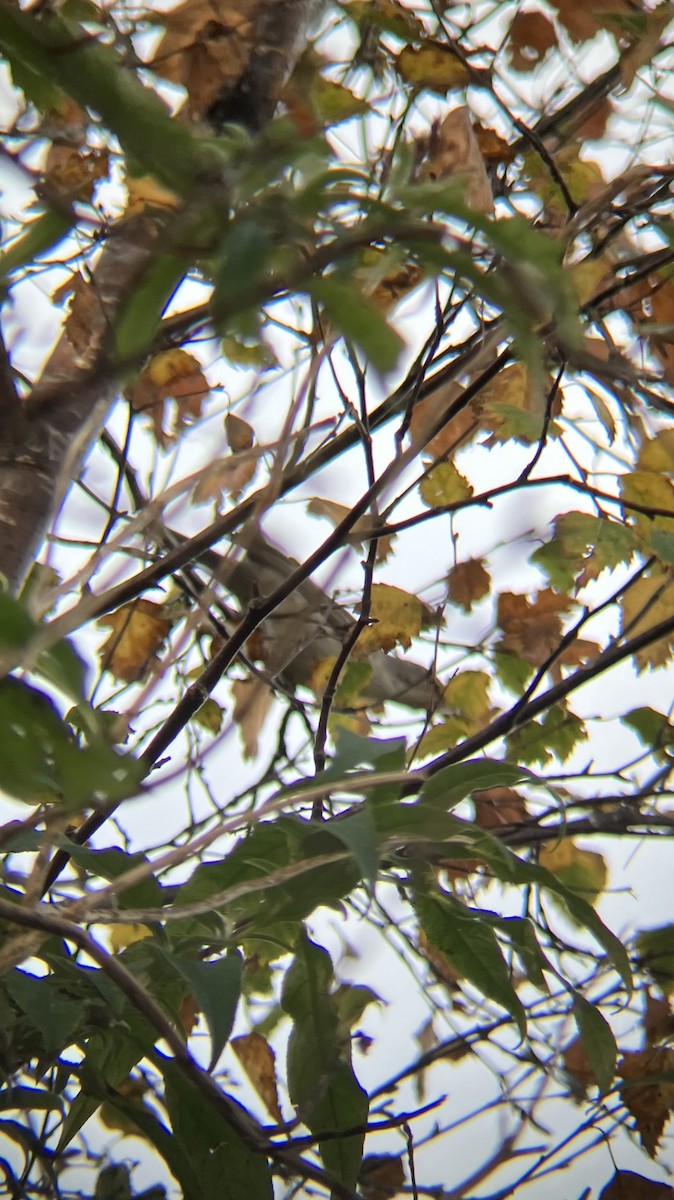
[(649, 1103), (252, 702), (139, 630), (170, 375), (452, 150), (259, 1062)]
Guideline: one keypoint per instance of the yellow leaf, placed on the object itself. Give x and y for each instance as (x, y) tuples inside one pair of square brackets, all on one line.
[(432, 65), (468, 694), (209, 716), (589, 277), (138, 631), (647, 602), (444, 736), (654, 491), (444, 485), (145, 193), (121, 936), (657, 454), (259, 1062), (582, 871), (170, 375), (397, 617)]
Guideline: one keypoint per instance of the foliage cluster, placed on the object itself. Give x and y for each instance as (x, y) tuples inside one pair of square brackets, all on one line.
[(433, 299)]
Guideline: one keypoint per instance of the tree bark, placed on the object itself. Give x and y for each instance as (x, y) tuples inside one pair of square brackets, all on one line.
[(44, 439)]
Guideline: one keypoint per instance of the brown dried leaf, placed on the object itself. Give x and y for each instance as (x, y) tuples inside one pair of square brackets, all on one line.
[(493, 148), (139, 630), (240, 435), (73, 173), (252, 702), (649, 1103), (170, 375), (83, 323), (531, 35), (627, 1185), (452, 150), (227, 475), (584, 21), (577, 1065), (531, 629), (455, 433), (661, 302), (468, 582), (359, 533), (188, 1014), (594, 122), (647, 602), (206, 48), (658, 1019), (498, 806), (381, 1176), (259, 1062)]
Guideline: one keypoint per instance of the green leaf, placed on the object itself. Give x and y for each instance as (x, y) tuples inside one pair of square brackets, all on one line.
[(174, 1153), (41, 235), (358, 833), (139, 317), (110, 1056), (52, 48), (217, 987), (60, 664), (30, 1099), (450, 785), (77, 776), (358, 319), (469, 943), (242, 260), (583, 543), (321, 1080), (522, 934), (512, 671), (598, 1041), (655, 948), (225, 1166), (652, 728), (582, 912), (556, 734), (54, 1014)]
